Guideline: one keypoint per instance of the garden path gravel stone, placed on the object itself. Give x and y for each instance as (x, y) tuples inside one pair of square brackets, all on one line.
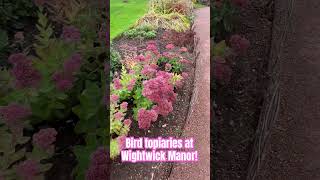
[(198, 120)]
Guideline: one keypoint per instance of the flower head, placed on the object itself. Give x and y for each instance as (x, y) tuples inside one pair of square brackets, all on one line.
[(239, 44), (131, 84), (117, 84), (71, 34), (118, 116), (169, 46), (99, 165), (23, 71), (114, 98), (127, 122), (13, 114), (63, 81), (124, 106), (28, 169), (145, 117), (45, 138), (73, 64)]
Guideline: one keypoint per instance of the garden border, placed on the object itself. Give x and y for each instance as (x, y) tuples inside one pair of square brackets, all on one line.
[(199, 107), (270, 109)]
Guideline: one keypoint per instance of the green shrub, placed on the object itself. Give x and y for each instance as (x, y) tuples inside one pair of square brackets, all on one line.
[(143, 32)]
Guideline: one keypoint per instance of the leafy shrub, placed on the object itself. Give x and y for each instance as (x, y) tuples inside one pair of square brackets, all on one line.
[(141, 32), (172, 21), (183, 7), (115, 60), (181, 39), (62, 78), (146, 88)]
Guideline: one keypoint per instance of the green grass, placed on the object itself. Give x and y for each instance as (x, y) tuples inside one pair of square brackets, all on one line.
[(198, 5), (124, 15)]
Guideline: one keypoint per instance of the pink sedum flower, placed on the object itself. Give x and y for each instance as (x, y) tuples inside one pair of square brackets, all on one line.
[(239, 44), (131, 84), (148, 71), (63, 82), (127, 122), (73, 64), (28, 170), (13, 114), (169, 46), (23, 71), (222, 72), (99, 165), (121, 142), (124, 106), (114, 98), (185, 75), (118, 116), (45, 138), (140, 58), (71, 34), (163, 108), (145, 117), (168, 67), (117, 84), (183, 49)]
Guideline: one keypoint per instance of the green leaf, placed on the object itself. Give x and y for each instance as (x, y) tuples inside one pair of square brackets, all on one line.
[(3, 39), (219, 49)]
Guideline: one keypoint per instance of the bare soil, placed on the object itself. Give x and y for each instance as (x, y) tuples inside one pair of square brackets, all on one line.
[(295, 139), (237, 105)]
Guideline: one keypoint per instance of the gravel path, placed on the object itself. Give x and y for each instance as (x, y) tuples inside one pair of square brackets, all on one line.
[(198, 121), (294, 153)]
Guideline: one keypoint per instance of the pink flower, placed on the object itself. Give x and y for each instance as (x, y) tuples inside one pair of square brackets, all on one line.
[(159, 88), (240, 3), (124, 106), (183, 49), (184, 61), (127, 122), (169, 46), (45, 138), (121, 142), (118, 116), (140, 58), (222, 72), (184, 75), (152, 47), (168, 67), (73, 64), (23, 71), (117, 84), (114, 98), (132, 71), (71, 34), (163, 108), (99, 167), (131, 84), (28, 170), (148, 71), (100, 156), (63, 82), (145, 117), (239, 44), (154, 66), (13, 114)]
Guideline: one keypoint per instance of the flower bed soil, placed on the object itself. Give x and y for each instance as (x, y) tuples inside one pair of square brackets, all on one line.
[(172, 125), (238, 105)]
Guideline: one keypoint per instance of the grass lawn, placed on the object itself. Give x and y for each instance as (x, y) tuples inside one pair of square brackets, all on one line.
[(123, 15)]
